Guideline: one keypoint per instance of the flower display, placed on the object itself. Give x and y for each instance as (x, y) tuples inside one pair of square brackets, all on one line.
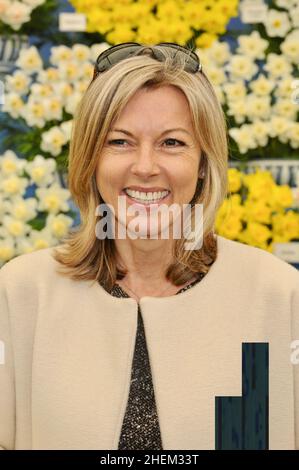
[(154, 21), (34, 208), (257, 211), (40, 100), (25, 16), (258, 93), (15, 12)]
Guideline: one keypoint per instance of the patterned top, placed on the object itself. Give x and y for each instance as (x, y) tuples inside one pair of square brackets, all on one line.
[(140, 428)]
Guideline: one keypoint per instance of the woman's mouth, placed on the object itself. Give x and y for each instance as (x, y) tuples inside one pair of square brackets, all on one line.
[(145, 198)]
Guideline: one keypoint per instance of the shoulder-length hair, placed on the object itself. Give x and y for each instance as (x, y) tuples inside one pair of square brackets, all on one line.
[(82, 255)]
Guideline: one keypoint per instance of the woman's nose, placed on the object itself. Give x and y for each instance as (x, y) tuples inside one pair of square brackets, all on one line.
[(145, 163)]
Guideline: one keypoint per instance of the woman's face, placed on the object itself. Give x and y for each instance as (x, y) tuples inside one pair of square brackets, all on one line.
[(142, 153)]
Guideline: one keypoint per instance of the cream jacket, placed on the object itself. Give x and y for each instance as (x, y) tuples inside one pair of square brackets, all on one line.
[(67, 350)]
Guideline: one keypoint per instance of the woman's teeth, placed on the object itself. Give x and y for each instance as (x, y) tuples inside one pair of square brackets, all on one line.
[(147, 197)]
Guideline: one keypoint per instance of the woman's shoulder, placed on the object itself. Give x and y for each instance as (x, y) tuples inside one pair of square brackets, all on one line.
[(27, 266), (256, 260)]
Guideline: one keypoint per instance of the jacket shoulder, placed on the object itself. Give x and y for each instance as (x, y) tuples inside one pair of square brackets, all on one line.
[(28, 266), (258, 261)]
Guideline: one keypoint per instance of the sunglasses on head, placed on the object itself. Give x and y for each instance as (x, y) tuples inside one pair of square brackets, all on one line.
[(122, 51)]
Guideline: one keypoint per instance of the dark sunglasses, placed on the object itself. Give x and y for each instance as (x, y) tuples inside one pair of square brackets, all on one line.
[(122, 51)]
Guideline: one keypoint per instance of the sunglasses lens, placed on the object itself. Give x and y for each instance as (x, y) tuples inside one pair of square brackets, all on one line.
[(115, 54), (192, 63)]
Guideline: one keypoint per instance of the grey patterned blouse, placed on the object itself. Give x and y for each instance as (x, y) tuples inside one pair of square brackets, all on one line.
[(140, 428)]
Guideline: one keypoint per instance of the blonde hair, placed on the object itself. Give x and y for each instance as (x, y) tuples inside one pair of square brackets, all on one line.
[(83, 255)]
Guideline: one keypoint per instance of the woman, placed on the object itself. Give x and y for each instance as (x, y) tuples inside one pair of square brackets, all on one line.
[(136, 342)]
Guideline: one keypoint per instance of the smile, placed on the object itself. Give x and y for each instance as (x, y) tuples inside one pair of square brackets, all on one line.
[(146, 198)]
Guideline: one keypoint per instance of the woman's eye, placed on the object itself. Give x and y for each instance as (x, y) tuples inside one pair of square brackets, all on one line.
[(116, 140), (174, 140)]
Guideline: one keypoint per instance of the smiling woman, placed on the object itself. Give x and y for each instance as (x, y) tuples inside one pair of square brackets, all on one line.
[(136, 342), (151, 131)]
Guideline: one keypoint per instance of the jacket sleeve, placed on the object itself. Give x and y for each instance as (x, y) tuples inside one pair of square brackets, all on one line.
[(7, 385)]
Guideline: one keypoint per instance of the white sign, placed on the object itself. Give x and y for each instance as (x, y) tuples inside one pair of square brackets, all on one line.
[(72, 22), (287, 251), (253, 11)]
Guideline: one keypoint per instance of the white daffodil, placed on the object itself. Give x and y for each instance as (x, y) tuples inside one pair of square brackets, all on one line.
[(243, 137), (235, 90), (39, 239), (261, 131), (53, 108), (13, 185), (53, 199), (13, 104), (15, 227), (279, 126), (238, 109), (277, 23), (23, 209), (60, 55), (216, 75), (49, 75), (262, 86), (18, 82), (81, 53), (53, 140), (286, 108), (29, 60), (252, 45), (290, 46), (16, 14), (70, 71), (258, 106), (241, 66), (59, 224), (41, 91), (41, 170), (7, 250), (34, 113), (63, 91), (293, 135), (219, 52), (278, 66), (10, 164), (284, 87)]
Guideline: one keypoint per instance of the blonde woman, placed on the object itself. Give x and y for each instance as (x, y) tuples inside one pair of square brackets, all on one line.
[(130, 342)]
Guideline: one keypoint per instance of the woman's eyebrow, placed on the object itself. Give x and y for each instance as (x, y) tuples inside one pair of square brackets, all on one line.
[(124, 131)]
